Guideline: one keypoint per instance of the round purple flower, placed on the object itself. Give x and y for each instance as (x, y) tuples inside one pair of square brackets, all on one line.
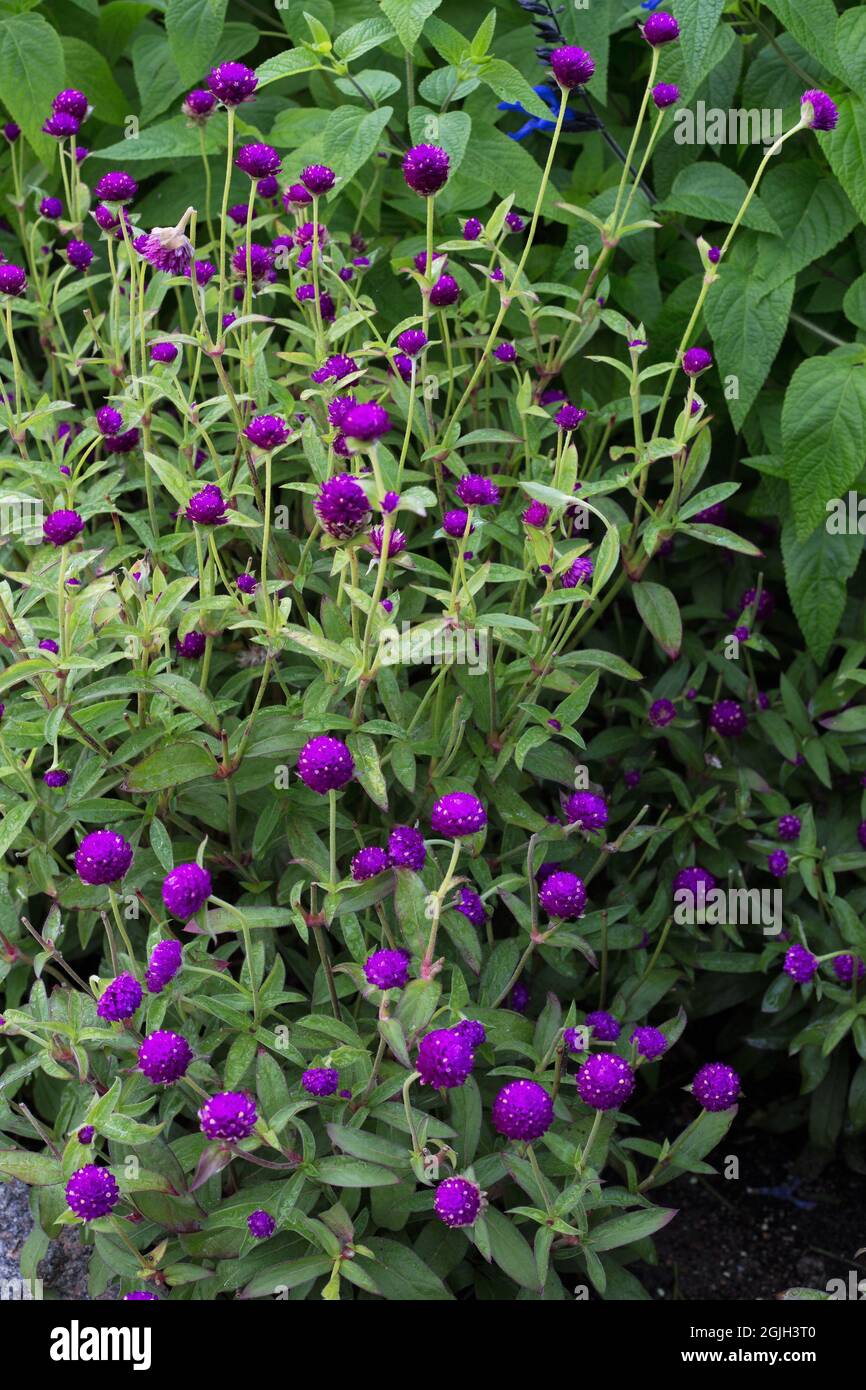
[(661, 28), (268, 188), (518, 999), (605, 1081), (342, 506), (475, 491), (818, 110), (192, 645), (471, 906), (716, 1086), (105, 218), (406, 848), (62, 526), (115, 187), (259, 264), (320, 1081), (92, 1192), (454, 524), (789, 828), (48, 644), (13, 280), (572, 67), (425, 169), (505, 352), (458, 813), (714, 255), (800, 964), (325, 764), (186, 889), (73, 102), (696, 361), (247, 583), (259, 161), (580, 572), (199, 104), (79, 255), (457, 1202), (228, 1115), (51, 209), (472, 229), (366, 422), (514, 222), (207, 508), (55, 777), (120, 1000), (412, 341), (318, 178), (472, 1031), (164, 1057), (650, 1042), (369, 862), (140, 1295), (665, 94), (777, 863), (396, 542), (586, 810), (766, 603), (563, 894), (165, 961), (605, 1028), (661, 713), (522, 1110), (728, 718), (387, 969), (267, 432), (536, 514), (12, 132), (574, 1039), (108, 420), (204, 272), (445, 1059), (261, 1224), (61, 125), (102, 857), (85, 1134), (232, 83), (445, 292), (696, 881), (843, 968), (569, 417)]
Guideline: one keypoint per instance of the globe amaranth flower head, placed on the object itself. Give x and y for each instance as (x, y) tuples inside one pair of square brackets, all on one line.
[(505, 352), (605, 1081), (164, 1057), (536, 514), (140, 1295), (445, 292), (115, 187), (696, 361), (48, 644), (586, 810), (572, 67), (454, 524), (318, 178), (259, 161), (818, 110), (335, 368), (569, 417), (788, 828), (232, 83), (267, 432), (661, 28), (695, 880), (259, 265), (728, 718), (120, 1000), (13, 280), (562, 894), (342, 506), (605, 1028), (102, 857), (522, 1110), (85, 1134), (472, 229), (650, 1042), (800, 964), (843, 968), (475, 491), (777, 863), (92, 1192), (61, 125), (456, 814), (62, 526), (51, 209), (457, 1202), (55, 777), (661, 713), (12, 132), (320, 1081), (185, 889), (387, 969), (366, 422), (473, 1031), (425, 169), (406, 848), (369, 862), (79, 255), (191, 645), (445, 1058), (665, 94), (199, 105), (207, 508), (168, 249), (261, 1225), (228, 1115), (396, 542), (766, 604), (470, 905), (165, 962), (412, 341), (716, 1086), (72, 102), (580, 572), (163, 352), (325, 764)]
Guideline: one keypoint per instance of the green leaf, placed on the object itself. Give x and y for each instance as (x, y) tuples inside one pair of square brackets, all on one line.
[(814, 215), (698, 20), (511, 85), (661, 615), (88, 70), (845, 147), (36, 1169), (369, 769), (747, 326), (171, 767), (13, 823), (823, 433), (408, 18), (353, 1172), (510, 1251), (32, 71), (635, 1225), (360, 38), (290, 63), (851, 46), (401, 1275), (194, 28), (372, 1147), (156, 75), (712, 192), (813, 25)]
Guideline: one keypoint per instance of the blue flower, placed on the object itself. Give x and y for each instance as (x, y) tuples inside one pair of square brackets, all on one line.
[(650, 4), (550, 96)]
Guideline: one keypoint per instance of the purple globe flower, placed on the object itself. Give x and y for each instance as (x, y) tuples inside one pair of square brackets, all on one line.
[(92, 1192), (471, 907), (55, 777), (232, 83), (186, 889), (51, 209), (475, 491), (569, 417), (728, 718), (228, 1115), (406, 848), (192, 645), (843, 968), (518, 999), (13, 281), (318, 178), (164, 1057), (12, 132), (665, 94), (586, 810), (369, 862), (714, 255), (457, 1202), (62, 526), (716, 1086), (396, 542), (79, 255), (522, 1110), (258, 265), (818, 110), (650, 1043), (505, 352), (572, 67), (204, 271), (445, 292), (412, 341), (563, 894), (605, 1081), (72, 102), (207, 508), (574, 1039), (261, 1225), (514, 222), (696, 881), (122, 443), (766, 604), (320, 1081), (268, 188), (696, 361), (454, 524), (366, 422), (49, 645), (445, 1059), (458, 813), (61, 125), (387, 969), (800, 964), (259, 161), (102, 857), (789, 828), (661, 713), (325, 764), (115, 187), (85, 1134), (472, 229), (165, 962), (296, 196), (777, 863), (199, 104), (247, 583), (120, 1000), (536, 514), (580, 572), (105, 218), (140, 1295), (342, 506), (163, 352), (108, 420), (267, 432), (661, 28), (473, 1032), (425, 169), (605, 1028)]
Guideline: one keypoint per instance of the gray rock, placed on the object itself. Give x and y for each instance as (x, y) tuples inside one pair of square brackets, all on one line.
[(63, 1270)]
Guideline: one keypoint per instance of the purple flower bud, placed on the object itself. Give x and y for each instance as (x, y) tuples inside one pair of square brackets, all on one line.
[(425, 169), (454, 524), (13, 280), (457, 1202), (569, 417), (650, 1042), (165, 962), (366, 422), (665, 94), (728, 718), (296, 196), (766, 603), (412, 341), (605, 1081), (108, 420), (336, 368), (714, 255), (261, 1225), (199, 104), (55, 777), (789, 828), (318, 178), (580, 572), (232, 83), (85, 1134), (206, 508), (247, 583), (61, 125), (818, 110), (79, 255), (92, 1192), (390, 502), (631, 777), (586, 810), (267, 432), (843, 968), (396, 542), (661, 28), (259, 264), (342, 506), (563, 894), (230, 1114), (185, 889), (696, 881), (204, 272), (387, 969), (572, 67), (475, 491), (72, 102), (120, 1000), (62, 526), (661, 713), (522, 1110), (115, 187), (11, 132), (445, 292), (163, 352), (471, 907), (458, 813), (51, 208), (574, 1039), (777, 863), (325, 764), (536, 514), (406, 848), (605, 1028), (800, 964), (367, 863), (320, 1081), (472, 229), (472, 1031), (445, 1059), (505, 352), (102, 857), (518, 999), (696, 360), (164, 1057), (191, 646), (48, 644), (716, 1086), (259, 161)]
